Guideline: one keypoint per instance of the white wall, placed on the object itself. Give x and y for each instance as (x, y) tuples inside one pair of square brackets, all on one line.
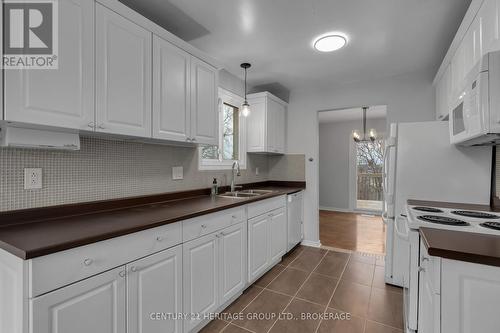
[(409, 97), (334, 153)]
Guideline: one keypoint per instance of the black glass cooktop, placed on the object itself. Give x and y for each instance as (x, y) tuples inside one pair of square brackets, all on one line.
[(442, 220)]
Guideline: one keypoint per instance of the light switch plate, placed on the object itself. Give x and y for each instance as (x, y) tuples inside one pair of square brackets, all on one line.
[(32, 178), (177, 173)]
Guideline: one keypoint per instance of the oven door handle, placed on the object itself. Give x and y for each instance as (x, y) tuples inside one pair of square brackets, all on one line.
[(400, 232)]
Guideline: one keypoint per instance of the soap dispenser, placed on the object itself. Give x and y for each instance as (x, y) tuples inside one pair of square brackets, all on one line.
[(215, 188)]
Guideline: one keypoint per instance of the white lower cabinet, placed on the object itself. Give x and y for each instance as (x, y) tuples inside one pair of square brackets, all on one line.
[(154, 287), (214, 272), (266, 237), (96, 304), (201, 278)]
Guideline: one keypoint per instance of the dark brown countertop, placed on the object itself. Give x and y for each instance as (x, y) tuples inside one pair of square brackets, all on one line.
[(463, 246), (37, 236), (451, 205)]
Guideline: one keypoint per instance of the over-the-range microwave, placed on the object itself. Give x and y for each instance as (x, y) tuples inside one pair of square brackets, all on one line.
[(475, 110)]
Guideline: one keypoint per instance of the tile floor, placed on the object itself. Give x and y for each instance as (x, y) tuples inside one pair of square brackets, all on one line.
[(326, 286)]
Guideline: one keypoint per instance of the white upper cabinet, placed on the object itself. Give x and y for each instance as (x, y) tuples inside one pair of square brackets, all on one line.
[(184, 96), (123, 75), (62, 97), (155, 283), (96, 304), (443, 95), (488, 17), (266, 124), (171, 91), (204, 110)]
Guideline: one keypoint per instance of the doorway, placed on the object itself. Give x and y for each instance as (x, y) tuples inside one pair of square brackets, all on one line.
[(350, 179)]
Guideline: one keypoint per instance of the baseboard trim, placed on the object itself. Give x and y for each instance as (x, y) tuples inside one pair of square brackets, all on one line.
[(311, 243), (334, 209)]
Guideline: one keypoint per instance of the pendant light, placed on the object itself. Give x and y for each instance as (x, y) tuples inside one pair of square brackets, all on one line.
[(372, 135), (245, 107)]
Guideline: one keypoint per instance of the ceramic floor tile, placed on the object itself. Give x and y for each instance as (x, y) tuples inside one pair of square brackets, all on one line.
[(260, 315), (379, 281), (359, 272), (215, 326), (351, 297), (300, 317), (333, 264), (386, 307), (335, 321), (318, 289), (269, 276), (292, 255), (308, 260), (289, 281), (234, 329), (241, 302), (364, 258), (372, 327)]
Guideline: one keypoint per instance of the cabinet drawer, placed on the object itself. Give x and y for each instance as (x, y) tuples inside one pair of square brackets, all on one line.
[(63, 268), (264, 206), (204, 225)]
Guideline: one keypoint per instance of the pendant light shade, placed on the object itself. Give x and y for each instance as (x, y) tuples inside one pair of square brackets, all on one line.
[(245, 107), (362, 137)]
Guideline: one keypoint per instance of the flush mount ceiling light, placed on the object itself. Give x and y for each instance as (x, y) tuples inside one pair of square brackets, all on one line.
[(330, 42)]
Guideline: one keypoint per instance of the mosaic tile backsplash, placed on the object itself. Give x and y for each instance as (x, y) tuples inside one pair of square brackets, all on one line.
[(107, 169)]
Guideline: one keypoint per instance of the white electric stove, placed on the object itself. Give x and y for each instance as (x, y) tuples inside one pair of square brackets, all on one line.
[(407, 226)]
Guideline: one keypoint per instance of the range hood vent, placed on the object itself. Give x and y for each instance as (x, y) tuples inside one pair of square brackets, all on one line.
[(18, 137)]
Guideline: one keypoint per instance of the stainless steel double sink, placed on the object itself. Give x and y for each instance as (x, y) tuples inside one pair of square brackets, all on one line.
[(245, 194)]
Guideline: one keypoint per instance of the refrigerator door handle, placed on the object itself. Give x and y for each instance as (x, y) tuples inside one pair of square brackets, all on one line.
[(404, 235)]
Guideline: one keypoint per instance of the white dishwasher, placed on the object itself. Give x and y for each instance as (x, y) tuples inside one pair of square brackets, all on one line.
[(295, 216)]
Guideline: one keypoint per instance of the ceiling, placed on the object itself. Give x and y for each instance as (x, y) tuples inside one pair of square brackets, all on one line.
[(387, 37), (334, 116)]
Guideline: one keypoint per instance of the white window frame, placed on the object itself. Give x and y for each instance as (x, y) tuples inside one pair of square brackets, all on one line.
[(227, 97)]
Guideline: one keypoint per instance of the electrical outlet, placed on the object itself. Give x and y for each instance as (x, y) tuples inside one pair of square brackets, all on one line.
[(177, 173), (32, 178)]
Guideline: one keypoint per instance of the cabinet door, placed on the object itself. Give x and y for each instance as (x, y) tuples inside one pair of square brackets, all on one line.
[(280, 129), (428, 309), (123, 75), (201, 278), (155, 285), (277, 231), (257, 126), (96, 304), (271, 126), (233, 254), (204, 110), (258, 246), (62, 97), (171, 91), (488, 16), (469, 297)]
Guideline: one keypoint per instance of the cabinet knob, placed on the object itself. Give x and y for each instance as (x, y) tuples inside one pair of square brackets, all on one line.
[(421, 269), (91, 125), (159, 238), (425, 259), (234, 217), (101, 126), (133, 269), (88, 262), (122, 274), (203, 226)]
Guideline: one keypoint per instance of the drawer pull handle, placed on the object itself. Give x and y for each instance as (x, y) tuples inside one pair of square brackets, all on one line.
[(88, 262), (159, 238), (122, 274), (425, 259), (203, 226), (134, 269), (421, 269), (234, 217)]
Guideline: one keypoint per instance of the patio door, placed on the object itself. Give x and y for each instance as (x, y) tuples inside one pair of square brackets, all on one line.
[(369, 166)]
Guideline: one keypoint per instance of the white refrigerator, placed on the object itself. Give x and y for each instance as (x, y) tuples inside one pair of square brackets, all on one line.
[(420, 163)]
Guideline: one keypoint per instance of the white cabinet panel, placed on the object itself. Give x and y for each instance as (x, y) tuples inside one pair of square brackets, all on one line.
[(204, 110), (258, 246), (266, 124), (488, 17), (201, 278), (171, 91), (155, 286), (62, 97), (123, 75), (277, 231), (469, 297), (233, 255), (96, 304)]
